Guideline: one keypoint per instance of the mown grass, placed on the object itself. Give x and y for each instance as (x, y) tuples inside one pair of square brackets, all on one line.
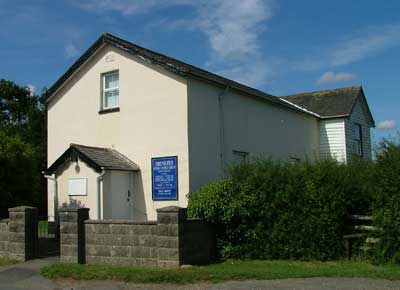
[(5, 262), (229, 270)]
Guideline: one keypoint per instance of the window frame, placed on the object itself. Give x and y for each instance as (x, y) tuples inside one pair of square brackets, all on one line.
[(359, 150), (105, 90), (243, 154)]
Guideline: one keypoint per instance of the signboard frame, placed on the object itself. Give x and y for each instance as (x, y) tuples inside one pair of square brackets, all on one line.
[(156, 197)]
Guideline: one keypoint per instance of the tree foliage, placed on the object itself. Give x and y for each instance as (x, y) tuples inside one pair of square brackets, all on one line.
[(22, 146)]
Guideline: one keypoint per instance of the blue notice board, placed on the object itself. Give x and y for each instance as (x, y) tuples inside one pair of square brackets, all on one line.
[(164, 173)]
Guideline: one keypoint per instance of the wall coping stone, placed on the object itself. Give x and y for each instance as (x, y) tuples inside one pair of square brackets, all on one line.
[(67, 209), (5, 220), (123, 222), (170, 209), (22, 208)]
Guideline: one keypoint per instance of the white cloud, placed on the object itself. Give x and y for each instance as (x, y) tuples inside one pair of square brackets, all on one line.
[(232, 29), (372, 41), (387, 124), (128, 7), (351, 49), (31, 88), (332, 77), (71, 50)]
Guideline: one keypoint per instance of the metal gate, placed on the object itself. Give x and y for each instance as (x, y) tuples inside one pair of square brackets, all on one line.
[(48, 238)]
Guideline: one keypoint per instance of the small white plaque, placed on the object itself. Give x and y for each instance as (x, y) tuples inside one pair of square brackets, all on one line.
[(110, 58), (77, 186)]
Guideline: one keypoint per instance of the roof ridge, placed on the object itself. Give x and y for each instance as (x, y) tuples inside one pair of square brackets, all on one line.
[(170, 64), (359, 87), (86, 146)]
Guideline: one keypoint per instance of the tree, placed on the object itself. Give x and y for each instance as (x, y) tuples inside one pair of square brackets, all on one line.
[(22, 146)]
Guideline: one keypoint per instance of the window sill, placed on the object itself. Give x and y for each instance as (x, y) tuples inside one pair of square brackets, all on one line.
[(106, 111)]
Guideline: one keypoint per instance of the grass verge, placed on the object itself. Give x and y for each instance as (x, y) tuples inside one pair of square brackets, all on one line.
[(229, 270), (5, 262)]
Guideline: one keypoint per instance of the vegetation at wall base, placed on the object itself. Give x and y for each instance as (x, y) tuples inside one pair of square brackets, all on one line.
[(229, 270), (6, 262)]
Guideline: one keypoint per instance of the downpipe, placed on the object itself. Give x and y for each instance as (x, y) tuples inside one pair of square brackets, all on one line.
[(99, 180)]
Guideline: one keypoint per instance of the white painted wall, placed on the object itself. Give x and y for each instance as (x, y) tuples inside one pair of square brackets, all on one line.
[(69, 171), (152, 121), (251, 125), (332, 139), (358, 116)]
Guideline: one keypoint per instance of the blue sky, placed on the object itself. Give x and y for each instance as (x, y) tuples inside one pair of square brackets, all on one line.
[(281, 47)]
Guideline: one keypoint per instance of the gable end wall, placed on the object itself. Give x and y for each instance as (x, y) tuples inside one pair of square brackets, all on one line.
[(358, 116)]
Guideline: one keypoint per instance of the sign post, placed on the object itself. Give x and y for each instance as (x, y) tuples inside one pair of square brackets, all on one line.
[(164, 173)]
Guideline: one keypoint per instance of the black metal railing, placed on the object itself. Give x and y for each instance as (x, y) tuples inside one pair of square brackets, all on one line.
[(46, 229)]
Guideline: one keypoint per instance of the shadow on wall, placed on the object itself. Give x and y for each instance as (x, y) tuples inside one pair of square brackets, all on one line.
[(139, 202), (72, 203)]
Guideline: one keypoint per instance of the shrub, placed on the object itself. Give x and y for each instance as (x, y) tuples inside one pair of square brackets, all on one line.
[(387, 205), (271, 209)]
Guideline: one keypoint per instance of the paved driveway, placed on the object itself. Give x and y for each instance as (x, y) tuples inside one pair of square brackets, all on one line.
[(26, 276)]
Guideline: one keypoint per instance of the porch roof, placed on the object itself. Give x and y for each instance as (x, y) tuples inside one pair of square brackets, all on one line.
[(97, 158)]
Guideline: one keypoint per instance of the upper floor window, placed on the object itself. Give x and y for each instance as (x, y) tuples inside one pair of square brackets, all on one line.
[(358, 148), (111, 90)]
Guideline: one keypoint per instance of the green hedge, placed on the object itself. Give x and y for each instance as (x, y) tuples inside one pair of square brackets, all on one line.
[(387, 205), (279, 210)]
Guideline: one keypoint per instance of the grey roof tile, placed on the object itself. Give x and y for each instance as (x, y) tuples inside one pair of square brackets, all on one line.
[(96, 157), (328, 103), (106, 158)]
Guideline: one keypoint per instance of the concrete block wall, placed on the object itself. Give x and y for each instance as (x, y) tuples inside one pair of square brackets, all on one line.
[(72, 234), (22, 234), (4, 238), (167, 242), (121, 243)]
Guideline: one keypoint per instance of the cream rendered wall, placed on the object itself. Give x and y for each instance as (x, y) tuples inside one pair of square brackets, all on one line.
[(250, 125), (358, 116), (152, 121), (333, 139), (69, 171)]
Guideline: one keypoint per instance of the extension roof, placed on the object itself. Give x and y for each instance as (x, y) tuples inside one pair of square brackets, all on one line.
[(330, 103), (96, 157), (170, 64)]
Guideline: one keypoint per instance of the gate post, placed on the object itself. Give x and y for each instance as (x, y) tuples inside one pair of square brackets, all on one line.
[(23, 233), (72, 234), (170, 221)]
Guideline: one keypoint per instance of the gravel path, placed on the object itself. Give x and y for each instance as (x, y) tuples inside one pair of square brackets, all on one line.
[(26, 276)]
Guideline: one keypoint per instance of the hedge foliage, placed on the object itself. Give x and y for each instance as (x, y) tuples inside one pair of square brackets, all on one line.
[(387, 204), (280, 210), (269, 209)]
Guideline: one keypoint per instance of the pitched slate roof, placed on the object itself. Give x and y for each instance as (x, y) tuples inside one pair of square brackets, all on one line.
[(96, 157), (170, 64), (329, 103)]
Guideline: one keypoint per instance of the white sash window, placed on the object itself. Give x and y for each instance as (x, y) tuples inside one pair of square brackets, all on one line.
[(111, 90)]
